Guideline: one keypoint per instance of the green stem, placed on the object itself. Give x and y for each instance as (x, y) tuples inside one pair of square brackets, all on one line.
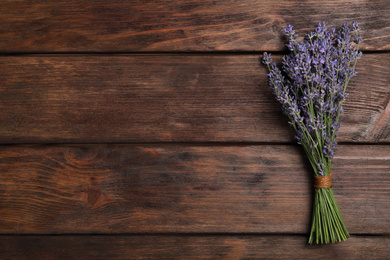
[(327, 224)]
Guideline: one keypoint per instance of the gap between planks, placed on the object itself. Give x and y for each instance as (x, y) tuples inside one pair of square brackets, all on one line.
[(167, 53), (178, 234), (198, 144)]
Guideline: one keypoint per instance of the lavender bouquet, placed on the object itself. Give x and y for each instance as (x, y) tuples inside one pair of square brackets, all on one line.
[(312, 89)]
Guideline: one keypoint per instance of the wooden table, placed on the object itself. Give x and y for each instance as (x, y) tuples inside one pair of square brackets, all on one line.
[(146, 129)]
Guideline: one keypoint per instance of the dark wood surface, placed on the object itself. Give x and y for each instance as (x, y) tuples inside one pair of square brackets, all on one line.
[(189, 189), (189, 247), (110, 152), (168, 98), (183, 25)]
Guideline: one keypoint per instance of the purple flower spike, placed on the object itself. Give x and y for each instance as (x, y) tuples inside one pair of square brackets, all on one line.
[(355, 26), (311, 88), (266, 58)]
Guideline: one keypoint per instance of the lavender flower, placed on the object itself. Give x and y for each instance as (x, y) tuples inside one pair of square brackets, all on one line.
[(312, 85), (311, 88)]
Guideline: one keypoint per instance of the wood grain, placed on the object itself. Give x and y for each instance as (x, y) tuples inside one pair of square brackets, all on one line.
[(248, 197), (188, 247), (183, 25), (176, 188), (168, 98)]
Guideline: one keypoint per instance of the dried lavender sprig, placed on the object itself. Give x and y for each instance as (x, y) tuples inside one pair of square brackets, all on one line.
[(312, 90)]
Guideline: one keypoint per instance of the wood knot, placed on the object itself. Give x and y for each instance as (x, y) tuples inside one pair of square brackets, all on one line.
[(94, 197)]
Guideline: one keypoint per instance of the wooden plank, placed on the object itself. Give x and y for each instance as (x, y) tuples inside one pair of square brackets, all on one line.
[(168, 98), (189, 247), (173, 188), (183, 25)]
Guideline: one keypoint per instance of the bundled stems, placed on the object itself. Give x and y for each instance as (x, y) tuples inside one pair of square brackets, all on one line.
[(311, 88), (327, 224)]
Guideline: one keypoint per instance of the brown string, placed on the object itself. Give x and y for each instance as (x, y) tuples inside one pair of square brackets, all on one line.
[(323, 181)]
